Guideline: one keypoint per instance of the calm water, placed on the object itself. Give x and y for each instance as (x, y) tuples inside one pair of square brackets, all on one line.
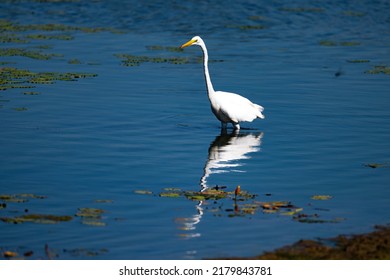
[(95, 141)]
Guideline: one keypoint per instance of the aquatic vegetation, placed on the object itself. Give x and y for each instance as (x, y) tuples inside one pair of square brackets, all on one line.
[(11, 77), (74, 61), (50, 37), (370, 246), (27, 53), (77, 252), (8, 26), (379, 69), (36, 218), (91, 216), (20, 198), (321, 197), (143, 192), (20, 109), (257, 18), (247, 27), (351, 13), (329, 43), (31, 93), (12, 38), (164, 48), (136, 60), (240, 203), (358, 60)]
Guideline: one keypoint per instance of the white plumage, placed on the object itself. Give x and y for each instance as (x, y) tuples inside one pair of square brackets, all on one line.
[(227, 107)]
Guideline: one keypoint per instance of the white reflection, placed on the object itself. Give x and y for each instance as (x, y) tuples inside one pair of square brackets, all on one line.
[(226, 154)]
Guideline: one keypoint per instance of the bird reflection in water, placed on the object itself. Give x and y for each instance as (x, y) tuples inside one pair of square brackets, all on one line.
[(226, 154)]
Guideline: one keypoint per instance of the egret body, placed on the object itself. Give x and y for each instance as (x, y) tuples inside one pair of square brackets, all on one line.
[(227, 107)]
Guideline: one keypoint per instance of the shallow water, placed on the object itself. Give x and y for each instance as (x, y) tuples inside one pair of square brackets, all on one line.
[(96, 141)]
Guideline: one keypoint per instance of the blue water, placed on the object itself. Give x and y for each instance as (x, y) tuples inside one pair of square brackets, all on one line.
[(149, 127)]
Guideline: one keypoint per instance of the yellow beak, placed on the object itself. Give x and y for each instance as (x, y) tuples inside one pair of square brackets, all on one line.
[(189, 43)]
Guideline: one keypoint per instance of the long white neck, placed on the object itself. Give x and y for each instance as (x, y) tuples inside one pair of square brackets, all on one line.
[(209, 85)]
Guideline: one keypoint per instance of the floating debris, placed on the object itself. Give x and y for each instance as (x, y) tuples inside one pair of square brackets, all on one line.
[(10, 254), (376, 165)]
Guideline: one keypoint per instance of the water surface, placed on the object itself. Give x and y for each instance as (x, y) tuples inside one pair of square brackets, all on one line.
[(94, 142)]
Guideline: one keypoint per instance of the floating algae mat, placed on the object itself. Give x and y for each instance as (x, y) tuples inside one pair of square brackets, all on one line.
[(11, 77), (239, 203), (136, 60)]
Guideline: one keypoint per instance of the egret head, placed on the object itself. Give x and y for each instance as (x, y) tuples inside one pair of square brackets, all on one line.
[(194, 41)]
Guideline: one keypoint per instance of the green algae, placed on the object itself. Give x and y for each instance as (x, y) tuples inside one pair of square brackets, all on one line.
[(20, 109), (66, 37), (20, 198), (9, 26), (91, 216), (27, 53), (137, 60), (36, 218), (74, 61), (358, 60), (351, 13), (164, 48), (11, 77), (379, 69), (246, 27)]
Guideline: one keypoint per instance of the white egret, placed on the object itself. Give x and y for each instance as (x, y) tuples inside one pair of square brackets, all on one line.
[(227, 107)]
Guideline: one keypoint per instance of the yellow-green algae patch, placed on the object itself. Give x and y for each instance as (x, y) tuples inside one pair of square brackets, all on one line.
[(36, 218), (11, 77), (9, 26), (136, 60), (379, 69), (27, 53)]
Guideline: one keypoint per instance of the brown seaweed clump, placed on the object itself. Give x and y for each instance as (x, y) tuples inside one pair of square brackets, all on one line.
[(371, 246)]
